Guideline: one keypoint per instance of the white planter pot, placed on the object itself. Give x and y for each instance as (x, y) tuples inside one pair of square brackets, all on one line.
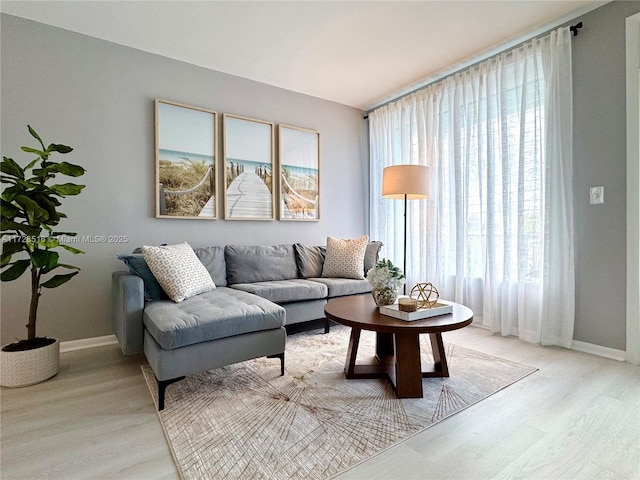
[(28, 367)]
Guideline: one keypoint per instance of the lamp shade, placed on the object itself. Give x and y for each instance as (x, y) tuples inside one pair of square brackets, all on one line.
[(409, 180)]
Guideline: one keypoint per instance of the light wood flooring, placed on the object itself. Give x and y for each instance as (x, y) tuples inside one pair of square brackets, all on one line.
[(578, 417)]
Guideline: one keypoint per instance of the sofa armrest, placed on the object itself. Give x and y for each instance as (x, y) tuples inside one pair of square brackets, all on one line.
[(127, 306)]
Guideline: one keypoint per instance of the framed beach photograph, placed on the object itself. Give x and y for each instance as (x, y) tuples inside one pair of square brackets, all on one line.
[(248, 168), (299, 173), (185, 161)]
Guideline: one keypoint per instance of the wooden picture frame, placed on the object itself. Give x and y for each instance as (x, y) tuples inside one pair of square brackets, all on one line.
[(186, 154), (299, 173), (248, 152)]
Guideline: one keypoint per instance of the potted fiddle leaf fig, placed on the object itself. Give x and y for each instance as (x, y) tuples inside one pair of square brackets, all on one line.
[(29, 217)]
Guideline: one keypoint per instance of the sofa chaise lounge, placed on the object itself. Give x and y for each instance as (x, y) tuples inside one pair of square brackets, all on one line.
[(258, 290)]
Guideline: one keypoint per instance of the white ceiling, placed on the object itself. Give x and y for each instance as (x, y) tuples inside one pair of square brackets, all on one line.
[(355, 53)]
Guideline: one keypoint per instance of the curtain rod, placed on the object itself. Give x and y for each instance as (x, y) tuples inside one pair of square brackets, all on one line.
[(574, 29)]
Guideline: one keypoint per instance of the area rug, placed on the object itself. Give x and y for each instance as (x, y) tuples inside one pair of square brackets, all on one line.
[(245, 421)]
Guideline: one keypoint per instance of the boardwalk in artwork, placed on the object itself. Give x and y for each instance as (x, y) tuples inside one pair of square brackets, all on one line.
[(209, 209), (248, 197)]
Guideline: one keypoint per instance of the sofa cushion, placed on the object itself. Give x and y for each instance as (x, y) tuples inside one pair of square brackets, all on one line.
[(261, 263), (138, 266), (178, 270), (213, 260), (283, 291), (219, 313), (345, 257), (309, 260), (339, 287)]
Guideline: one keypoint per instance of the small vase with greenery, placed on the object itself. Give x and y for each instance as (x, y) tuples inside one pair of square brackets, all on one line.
[(30, 201), (385, 279)]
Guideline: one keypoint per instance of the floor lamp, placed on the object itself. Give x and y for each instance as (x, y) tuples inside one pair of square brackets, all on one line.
[(405, 182)]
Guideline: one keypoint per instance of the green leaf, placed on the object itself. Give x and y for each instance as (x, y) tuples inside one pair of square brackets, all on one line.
[(10, 248), (13, 272), (42, 174), (66, 189), (14, 245), (71, 249), (31, 164), (35, 135), (47, 194), (8, 210), (59, 148), (6, 179), (21, 227), (30, 184), (35, 213), (11, 168), (48, 242), (71, 267), (8, 194), (47, 203), (27, 207), (58, 280), (70, 169), (64, 265), (45, 259), (40, 153)]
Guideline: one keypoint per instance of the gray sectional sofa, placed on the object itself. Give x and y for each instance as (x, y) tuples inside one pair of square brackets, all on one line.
[(259, 290)]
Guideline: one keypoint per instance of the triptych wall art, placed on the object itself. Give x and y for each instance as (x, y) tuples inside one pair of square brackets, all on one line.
[(299, 161), (254, 184), (186, 160)]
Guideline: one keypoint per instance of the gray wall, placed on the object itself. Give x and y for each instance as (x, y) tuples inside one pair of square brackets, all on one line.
[(98, 98), (600, 159)]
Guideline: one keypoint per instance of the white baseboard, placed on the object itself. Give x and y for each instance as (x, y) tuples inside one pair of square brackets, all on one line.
[(590, 348), (84, 343), (599, 350)]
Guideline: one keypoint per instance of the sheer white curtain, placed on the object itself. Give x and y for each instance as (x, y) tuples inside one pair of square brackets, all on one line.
[(497, 230)]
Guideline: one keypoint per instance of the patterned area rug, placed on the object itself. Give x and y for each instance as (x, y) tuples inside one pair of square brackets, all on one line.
[(245, 421)]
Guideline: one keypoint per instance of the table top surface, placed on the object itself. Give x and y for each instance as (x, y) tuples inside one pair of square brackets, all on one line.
[(360, 311)]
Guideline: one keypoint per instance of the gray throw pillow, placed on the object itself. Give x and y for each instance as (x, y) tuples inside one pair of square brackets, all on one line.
[(138, 266), (309, 260), (213, 260), (371, 255)]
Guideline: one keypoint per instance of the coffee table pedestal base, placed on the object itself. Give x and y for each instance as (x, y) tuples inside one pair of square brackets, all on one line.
[(398, 357)]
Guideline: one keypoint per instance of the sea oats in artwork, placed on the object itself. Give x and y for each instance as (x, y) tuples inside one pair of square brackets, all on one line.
[(245, 421)]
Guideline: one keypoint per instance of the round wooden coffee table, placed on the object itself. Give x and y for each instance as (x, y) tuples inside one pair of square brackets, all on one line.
[(397, 342)]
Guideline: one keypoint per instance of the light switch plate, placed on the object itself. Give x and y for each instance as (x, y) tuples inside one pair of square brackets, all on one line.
[(596, 195)]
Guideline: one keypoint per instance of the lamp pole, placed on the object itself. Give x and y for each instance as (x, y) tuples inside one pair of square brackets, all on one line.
[(404, 289)]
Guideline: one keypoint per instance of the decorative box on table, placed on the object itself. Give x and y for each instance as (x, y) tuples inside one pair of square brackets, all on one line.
[(439, 308)]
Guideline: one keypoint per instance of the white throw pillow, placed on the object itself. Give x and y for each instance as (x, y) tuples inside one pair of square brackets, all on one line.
[(345, 257), (178, 270)]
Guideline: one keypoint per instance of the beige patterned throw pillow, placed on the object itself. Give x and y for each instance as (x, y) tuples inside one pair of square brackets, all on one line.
[(345, 257), (178, 270)]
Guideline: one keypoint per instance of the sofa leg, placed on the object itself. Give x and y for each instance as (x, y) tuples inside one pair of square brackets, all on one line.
[(326, 325), (281, 357), (162, 386)]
